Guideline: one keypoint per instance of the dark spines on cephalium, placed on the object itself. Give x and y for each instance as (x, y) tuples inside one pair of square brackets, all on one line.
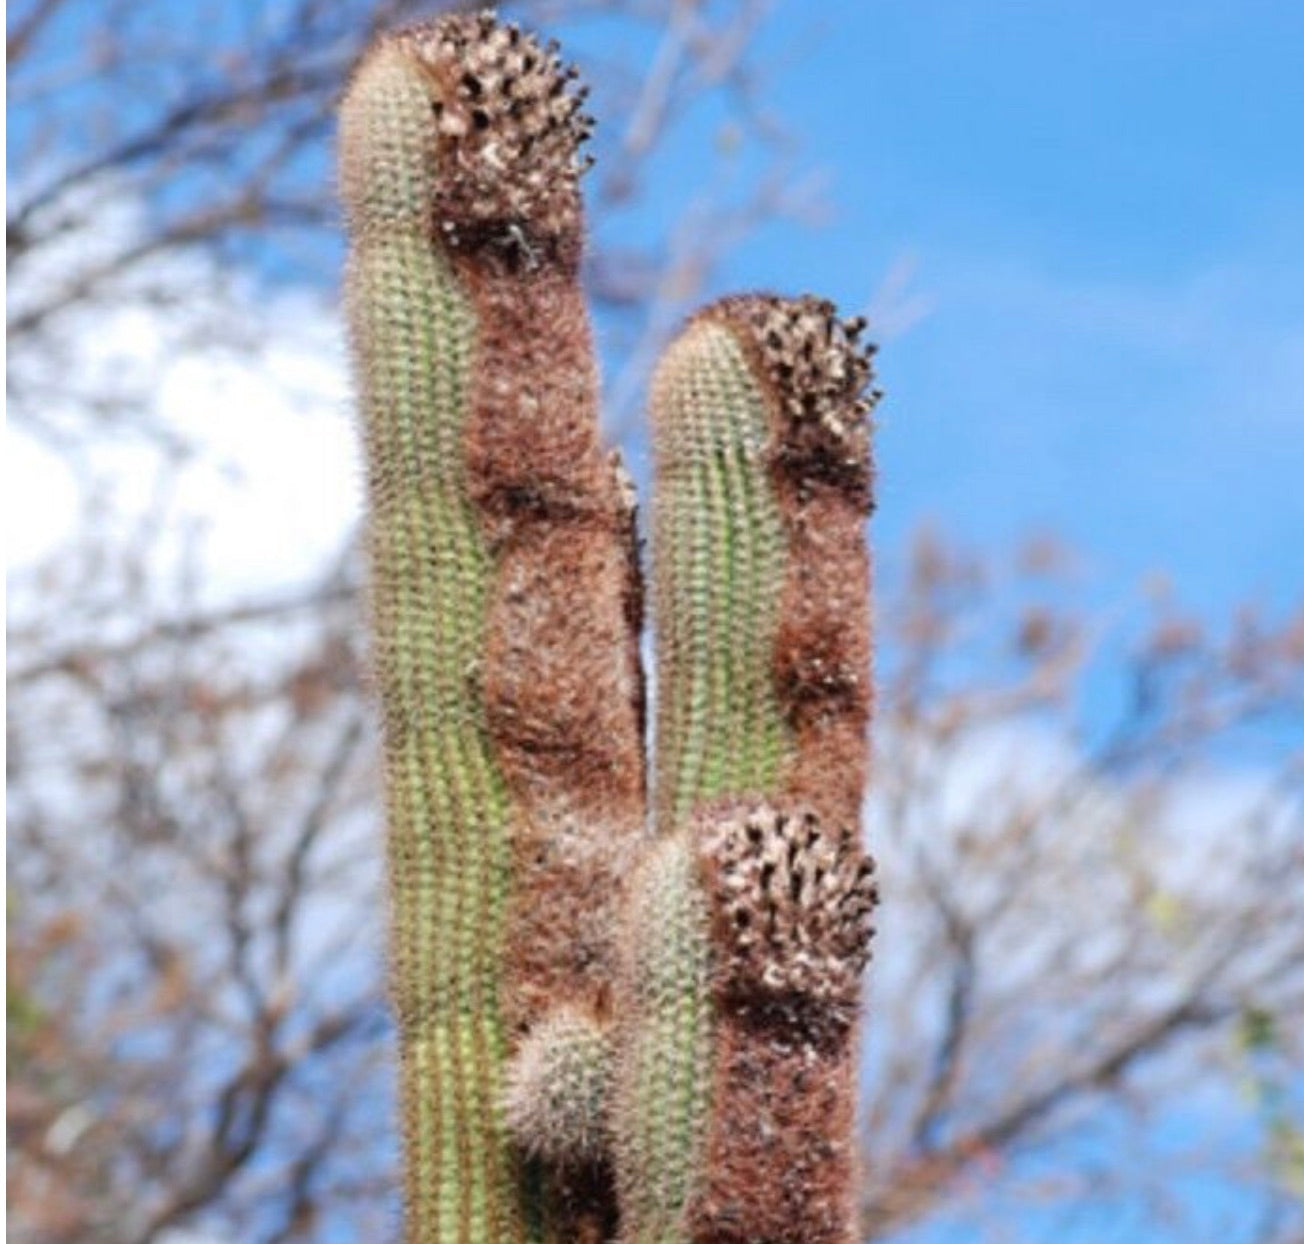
[(507, 125), (819, 373), (792, 905)]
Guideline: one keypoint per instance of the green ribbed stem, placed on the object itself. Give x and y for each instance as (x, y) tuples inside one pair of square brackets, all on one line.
[(665, 1065), (720, 551), (414, 334)]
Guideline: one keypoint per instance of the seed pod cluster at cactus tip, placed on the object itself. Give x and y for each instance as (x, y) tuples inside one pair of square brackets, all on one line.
[(817, 368), (506, 115)]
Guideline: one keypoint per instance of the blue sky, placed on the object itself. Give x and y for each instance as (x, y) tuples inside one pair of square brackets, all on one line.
[(1082, 225), (1090, 220)]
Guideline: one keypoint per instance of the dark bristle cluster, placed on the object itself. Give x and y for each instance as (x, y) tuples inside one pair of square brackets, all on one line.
[(816, 361), (820, 372), (509, 120), (792, 905)]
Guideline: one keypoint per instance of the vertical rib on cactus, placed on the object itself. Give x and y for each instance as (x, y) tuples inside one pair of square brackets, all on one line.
[(504, 602), (761, 608)]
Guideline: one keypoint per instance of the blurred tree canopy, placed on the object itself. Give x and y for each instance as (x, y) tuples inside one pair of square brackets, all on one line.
[(1086, 1009)]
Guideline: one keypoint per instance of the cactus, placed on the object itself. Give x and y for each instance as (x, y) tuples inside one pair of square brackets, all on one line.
[(761, 614), (662, 1076), (512, 718), (606, 1029)]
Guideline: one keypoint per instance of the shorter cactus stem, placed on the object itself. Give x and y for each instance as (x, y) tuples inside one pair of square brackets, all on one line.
[(761, 609), (663, 1063)]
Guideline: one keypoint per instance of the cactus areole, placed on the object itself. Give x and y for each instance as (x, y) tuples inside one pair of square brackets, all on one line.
[(622, 1015)]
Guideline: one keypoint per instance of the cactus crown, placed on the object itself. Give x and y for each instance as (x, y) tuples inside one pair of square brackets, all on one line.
[(812, 357), (818, 372), (603, 1035), (507, 129)]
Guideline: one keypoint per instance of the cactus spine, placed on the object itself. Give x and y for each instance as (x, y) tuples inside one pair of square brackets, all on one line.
[(601, 1036)]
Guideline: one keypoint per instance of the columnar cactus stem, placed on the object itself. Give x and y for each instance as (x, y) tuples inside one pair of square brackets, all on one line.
[(720, 564), (761, 608), (504, 603)]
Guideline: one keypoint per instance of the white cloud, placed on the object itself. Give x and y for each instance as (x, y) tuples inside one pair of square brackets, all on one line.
[(271, 479), (40, 500)]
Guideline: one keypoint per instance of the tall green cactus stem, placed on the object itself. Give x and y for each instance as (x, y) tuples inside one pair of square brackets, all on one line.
[(505, 604), (761, 609)]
